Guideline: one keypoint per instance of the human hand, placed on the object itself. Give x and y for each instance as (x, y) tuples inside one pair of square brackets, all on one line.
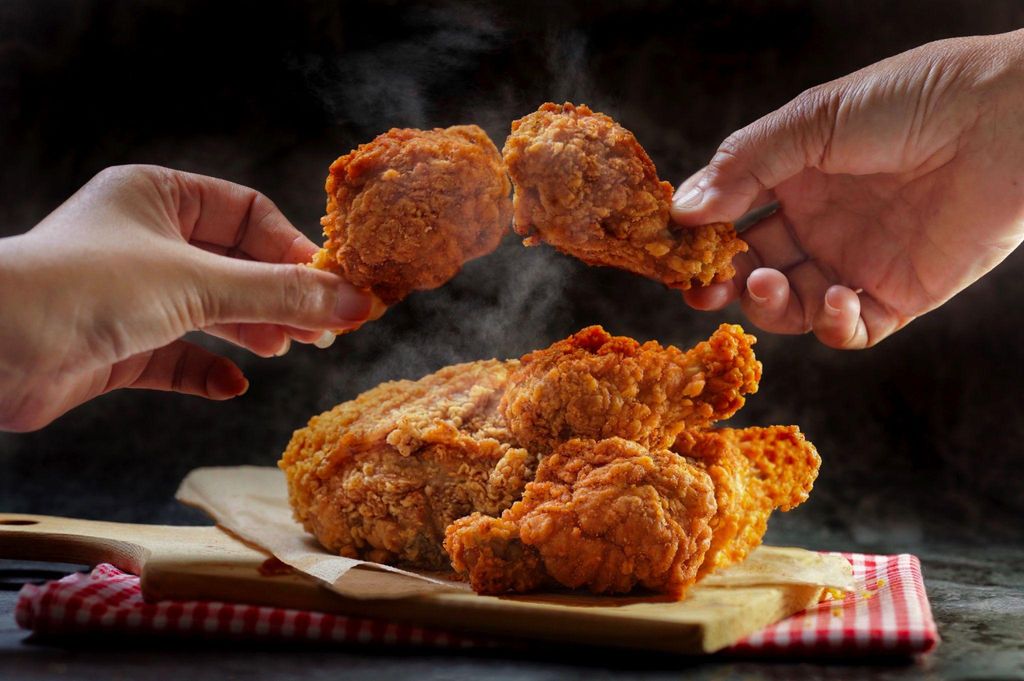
[(899, 185), (98, 295)]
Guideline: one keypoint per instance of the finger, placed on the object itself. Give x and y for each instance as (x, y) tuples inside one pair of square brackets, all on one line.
[(265, 340), (306, 336), (775, 243), (880, 321), (235, 291), (769, 304), (757, 158), (180, 367), (709, 298), (231, 333), (838, 323), (764, 198), (240, 220)]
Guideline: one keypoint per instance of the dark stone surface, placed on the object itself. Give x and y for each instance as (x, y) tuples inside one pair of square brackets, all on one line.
[(920, 436)]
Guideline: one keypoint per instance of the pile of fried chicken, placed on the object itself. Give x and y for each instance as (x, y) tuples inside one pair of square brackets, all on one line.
[(589, 464)]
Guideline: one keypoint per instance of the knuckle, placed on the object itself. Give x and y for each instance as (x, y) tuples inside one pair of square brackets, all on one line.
[(131, 179), (812, 117), (730, 154), (303, 294)]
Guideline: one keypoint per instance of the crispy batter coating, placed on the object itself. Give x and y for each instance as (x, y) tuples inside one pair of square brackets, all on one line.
[(631, 491), (381, 476), (593, 385), (405, 211), (755, 471), (606, 515), (585, 185)]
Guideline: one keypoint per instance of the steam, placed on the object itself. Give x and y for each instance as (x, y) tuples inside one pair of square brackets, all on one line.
[(569, 75), (391, 85), (506, 303), (500, 306)]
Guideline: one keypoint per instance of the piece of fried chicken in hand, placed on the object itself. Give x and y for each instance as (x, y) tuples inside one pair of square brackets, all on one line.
[(405, 211), (605, 515), (382, 476), (755, 471), (585, 185), (593, 385)]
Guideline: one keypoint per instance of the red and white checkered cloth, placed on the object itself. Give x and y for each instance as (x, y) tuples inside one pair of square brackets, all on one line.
[(888, 614)]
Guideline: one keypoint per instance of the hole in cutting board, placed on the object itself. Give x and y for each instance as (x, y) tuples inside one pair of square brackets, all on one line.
[(15, 521)]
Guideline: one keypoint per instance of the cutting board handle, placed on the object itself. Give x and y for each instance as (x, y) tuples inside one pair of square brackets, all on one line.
[(69, 540)]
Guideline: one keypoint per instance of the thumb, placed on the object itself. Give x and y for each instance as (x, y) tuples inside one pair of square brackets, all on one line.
[(757, 158), (293, 295)]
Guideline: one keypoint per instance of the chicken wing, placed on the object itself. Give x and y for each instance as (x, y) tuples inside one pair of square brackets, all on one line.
[(382, 476), (585, 185), (755, 471), (405, 211), (606, 515), (593, 385)]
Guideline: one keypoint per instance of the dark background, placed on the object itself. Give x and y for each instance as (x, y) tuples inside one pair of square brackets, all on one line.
[(920, 436)]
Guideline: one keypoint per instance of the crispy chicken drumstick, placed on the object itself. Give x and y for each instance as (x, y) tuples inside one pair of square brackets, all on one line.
[(606, 515), (405, 211), (593, 385), (585, 185)]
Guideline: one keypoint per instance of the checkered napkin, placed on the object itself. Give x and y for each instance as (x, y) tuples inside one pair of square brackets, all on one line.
[(888, 614)]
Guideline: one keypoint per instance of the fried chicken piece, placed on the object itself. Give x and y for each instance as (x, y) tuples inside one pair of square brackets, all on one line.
[(382, 476), (593, 385), (755, 471), (405, 211), (585, 185), (607, 515)]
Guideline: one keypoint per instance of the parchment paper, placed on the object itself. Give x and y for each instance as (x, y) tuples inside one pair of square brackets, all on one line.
[(252, 503)]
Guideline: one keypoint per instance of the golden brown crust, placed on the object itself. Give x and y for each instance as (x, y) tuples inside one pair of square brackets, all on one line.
[(593, 385), (405, 211), (585, 185), (412, 469), (488, 552), (604, 515), (381, 476), (755, 471)]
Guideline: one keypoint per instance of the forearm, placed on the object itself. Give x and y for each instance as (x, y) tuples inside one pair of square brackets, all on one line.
[(13, 289)]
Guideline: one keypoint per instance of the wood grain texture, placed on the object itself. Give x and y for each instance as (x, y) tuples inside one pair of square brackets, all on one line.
[(207, 563)]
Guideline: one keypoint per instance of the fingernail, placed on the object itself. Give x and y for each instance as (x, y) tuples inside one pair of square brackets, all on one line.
[(225, 380), (690, 199), (325, 340), (756, 298), (285, 347), (830, 308)]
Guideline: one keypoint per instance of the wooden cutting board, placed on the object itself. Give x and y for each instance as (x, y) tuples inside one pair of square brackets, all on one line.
[(207, 563)]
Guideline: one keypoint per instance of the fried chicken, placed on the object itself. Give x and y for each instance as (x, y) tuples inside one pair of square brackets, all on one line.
[(754, 471), (606, 515), (405, 211), (593, 385), (585, 185), (585, 465), (382, 476)]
